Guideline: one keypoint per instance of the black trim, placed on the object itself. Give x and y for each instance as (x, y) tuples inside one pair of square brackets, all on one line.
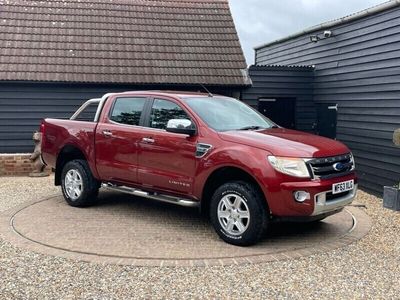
[(332, 197), (190, 131), (305, 219), (146, 112)]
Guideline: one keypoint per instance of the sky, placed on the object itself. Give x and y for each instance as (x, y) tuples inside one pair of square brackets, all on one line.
[(262, 21)]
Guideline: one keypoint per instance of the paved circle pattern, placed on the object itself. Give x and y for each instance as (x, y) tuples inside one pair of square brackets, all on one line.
[(126, 230)]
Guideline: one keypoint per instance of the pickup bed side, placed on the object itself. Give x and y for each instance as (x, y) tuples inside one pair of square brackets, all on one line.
[(65, 140)]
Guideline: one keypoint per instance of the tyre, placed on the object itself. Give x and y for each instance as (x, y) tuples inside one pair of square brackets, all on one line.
[(78, 185), (239, 213)]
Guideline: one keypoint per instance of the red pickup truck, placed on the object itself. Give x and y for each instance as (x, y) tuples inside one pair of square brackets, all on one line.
[(199, 150)]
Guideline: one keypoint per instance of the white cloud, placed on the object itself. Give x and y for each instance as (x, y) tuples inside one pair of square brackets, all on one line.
[(262, 21), (310, 4)]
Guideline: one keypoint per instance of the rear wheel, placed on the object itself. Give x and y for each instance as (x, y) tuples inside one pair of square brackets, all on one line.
[(78, 185), (238, 213)]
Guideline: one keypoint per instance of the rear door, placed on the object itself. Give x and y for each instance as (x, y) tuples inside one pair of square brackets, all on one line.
[(117, 140), (167, 160)]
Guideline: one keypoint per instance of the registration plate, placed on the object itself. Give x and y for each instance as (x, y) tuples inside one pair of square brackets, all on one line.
[(341, 187)]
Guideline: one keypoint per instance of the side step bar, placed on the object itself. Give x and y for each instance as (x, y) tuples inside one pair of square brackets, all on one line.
[(154, 196)]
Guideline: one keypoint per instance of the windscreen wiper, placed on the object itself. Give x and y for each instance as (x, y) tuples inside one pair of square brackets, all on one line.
[(253, 127)]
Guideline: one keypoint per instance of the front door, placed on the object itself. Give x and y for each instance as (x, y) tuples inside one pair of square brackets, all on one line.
[(280, 110), (166, 160), (326, 120)]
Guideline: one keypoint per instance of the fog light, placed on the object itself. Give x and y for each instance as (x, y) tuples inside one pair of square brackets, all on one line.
[(301, 196)]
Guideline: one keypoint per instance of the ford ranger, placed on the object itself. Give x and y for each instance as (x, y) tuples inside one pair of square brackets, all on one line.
[(199, 150)]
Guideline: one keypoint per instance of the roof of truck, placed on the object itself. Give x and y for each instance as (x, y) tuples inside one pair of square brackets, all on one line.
[(179, 94)]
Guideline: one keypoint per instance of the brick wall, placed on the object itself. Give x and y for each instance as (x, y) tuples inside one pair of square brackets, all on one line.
[(15, 164)]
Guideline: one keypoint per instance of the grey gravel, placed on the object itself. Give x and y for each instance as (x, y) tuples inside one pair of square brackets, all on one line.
[(367, 269), (16, 190)]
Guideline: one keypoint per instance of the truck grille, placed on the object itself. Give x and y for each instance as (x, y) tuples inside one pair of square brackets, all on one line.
[(330, 167)]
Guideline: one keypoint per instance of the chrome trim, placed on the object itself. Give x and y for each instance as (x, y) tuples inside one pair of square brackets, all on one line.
[(155, 196), (156, 129), (148, 140), (310, 167), (107, 133), (208, 149), (83, 106), (126, 125), (101, 104), (322, 206)]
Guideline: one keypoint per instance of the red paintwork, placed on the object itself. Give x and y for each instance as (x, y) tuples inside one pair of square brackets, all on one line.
[(286, 142), (126, 159)]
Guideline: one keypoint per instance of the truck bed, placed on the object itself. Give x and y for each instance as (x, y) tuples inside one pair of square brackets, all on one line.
[(58, 133)]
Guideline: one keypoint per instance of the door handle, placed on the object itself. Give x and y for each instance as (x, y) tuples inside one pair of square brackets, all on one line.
[(107, 133), (148, 140)]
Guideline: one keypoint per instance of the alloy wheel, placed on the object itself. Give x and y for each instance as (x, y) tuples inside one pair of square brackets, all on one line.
[(233, 214), (73, 184)]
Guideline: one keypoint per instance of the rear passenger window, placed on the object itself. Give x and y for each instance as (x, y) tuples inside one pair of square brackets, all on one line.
[(127, 110), (163, 111)]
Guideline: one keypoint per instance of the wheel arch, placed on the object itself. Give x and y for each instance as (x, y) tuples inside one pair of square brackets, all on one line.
[(226, 174), (67, 153)]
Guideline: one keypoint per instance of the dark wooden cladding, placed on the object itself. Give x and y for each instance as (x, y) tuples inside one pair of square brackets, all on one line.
[(284, 82), (357, 68), (24, 105)]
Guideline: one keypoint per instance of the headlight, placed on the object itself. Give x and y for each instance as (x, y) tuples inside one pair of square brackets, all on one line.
[(290, 166)]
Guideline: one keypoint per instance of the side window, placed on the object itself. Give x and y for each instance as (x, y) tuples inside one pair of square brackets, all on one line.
[(127, 110), (163, 111)]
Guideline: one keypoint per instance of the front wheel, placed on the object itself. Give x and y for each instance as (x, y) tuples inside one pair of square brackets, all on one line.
[(78, 185), (238, 213)]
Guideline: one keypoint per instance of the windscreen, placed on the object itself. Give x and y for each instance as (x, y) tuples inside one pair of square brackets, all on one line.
[(223, 114)]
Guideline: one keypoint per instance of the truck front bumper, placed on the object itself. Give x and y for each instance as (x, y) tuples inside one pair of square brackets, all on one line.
[(323, 205), (321, 200)]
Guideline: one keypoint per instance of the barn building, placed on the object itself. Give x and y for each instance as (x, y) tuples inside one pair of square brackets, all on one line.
[(55, 54), (340, 79)]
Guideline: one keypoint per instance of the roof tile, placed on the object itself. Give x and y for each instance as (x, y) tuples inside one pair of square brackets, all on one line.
[(122, 41)]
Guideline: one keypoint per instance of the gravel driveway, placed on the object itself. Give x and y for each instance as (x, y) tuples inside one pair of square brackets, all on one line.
[(367, 269)]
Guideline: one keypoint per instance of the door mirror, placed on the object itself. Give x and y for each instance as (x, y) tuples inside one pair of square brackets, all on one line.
[(182, 126)]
